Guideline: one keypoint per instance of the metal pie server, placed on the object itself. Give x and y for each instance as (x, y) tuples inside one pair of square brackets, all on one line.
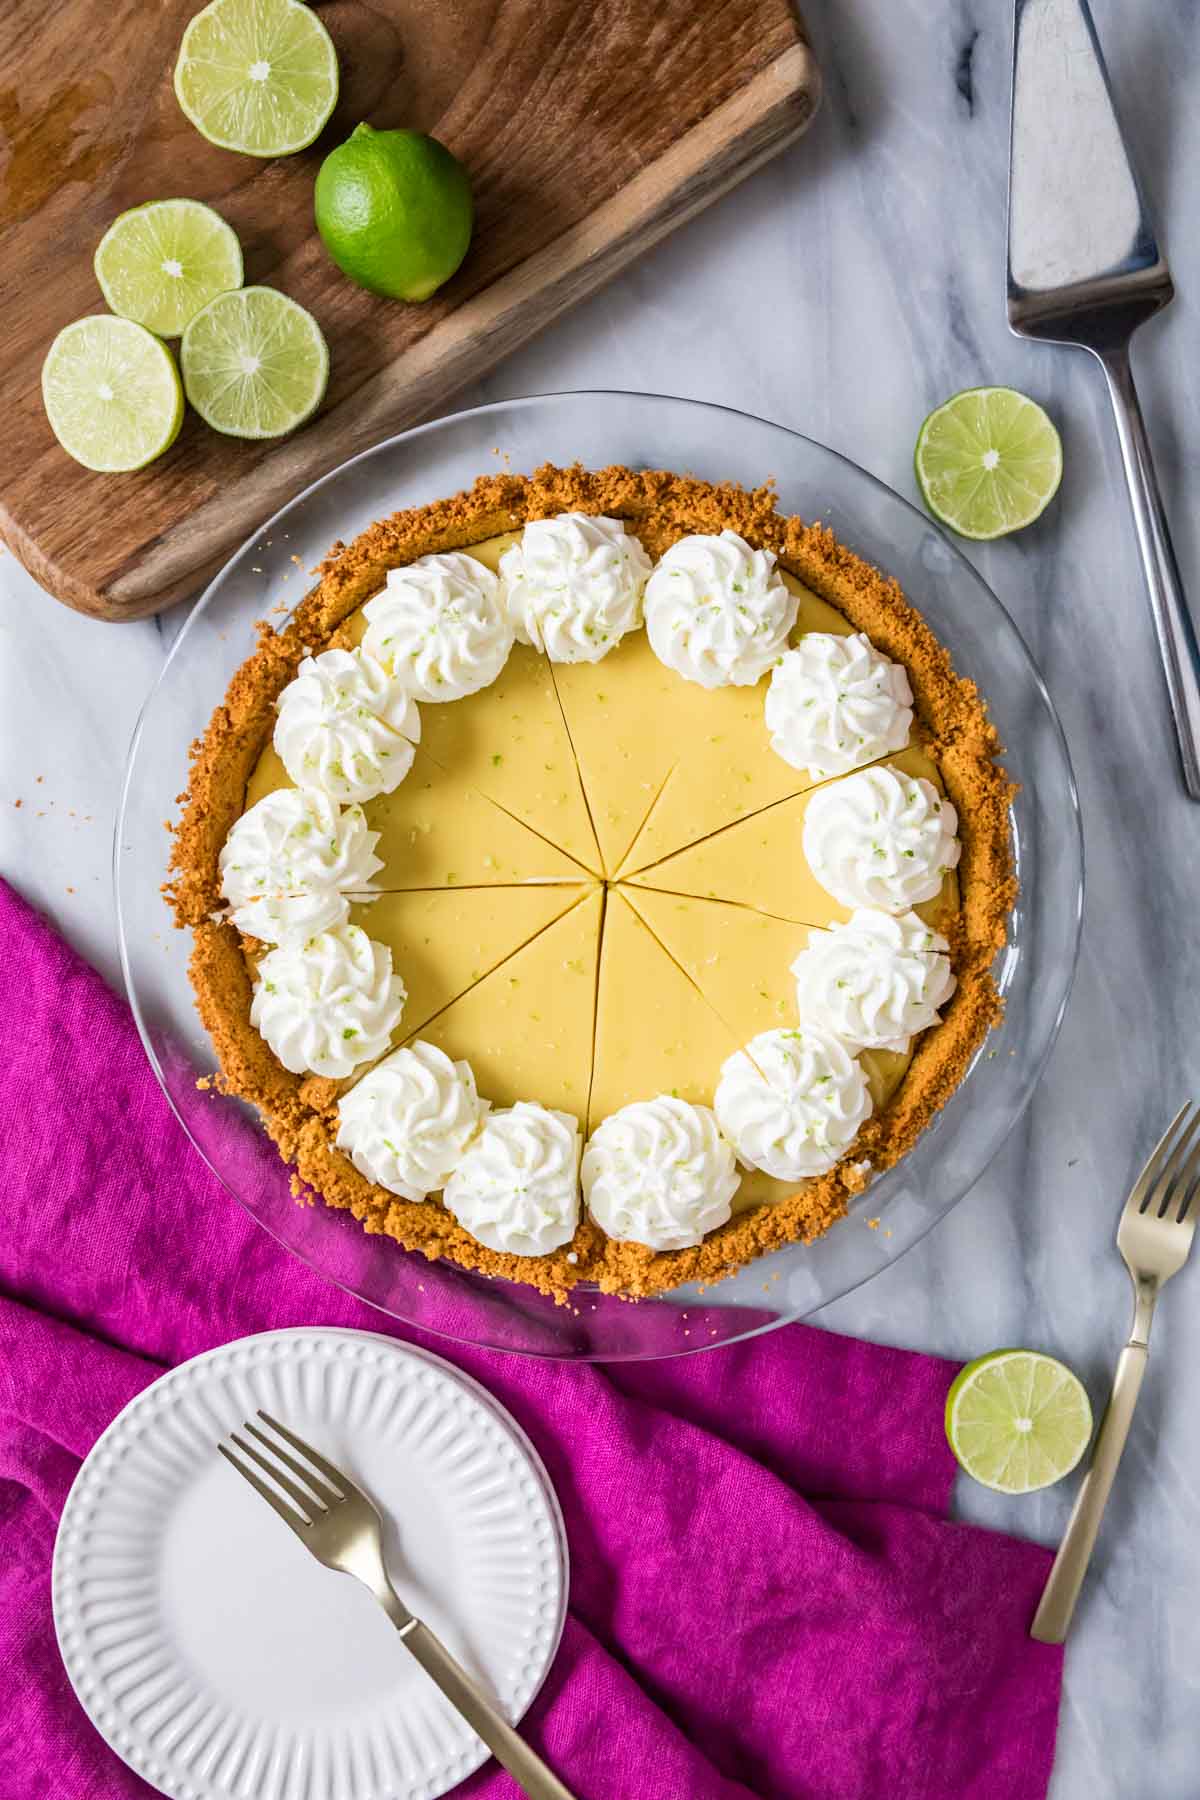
[(1084, 268)]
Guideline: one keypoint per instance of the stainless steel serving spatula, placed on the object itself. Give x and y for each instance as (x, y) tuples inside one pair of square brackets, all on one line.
[(1084, 268)]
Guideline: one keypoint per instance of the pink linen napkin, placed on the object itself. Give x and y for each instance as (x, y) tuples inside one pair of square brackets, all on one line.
[(767, 1596)]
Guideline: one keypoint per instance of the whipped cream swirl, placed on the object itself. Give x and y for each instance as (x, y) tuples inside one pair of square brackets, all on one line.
[(717, 611), (327, 1003), (346, 727), (658, 1172), (290, 861), (835, 703), (440, 627), (574, 585), (408, 1122), (517, 1187), (792, 1102), (875, 981), (881, 838)]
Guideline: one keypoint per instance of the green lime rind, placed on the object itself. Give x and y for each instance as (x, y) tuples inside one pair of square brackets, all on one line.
[(987, 462), (1017, 1420), (258, 76), (159, 263), (255, 364), (112, 393), (395, 212)]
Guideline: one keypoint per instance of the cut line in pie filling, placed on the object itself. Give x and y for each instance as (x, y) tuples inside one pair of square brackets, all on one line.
[(594, 888)]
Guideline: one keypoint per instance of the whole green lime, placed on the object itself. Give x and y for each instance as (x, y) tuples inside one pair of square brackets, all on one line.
[(394, 211)]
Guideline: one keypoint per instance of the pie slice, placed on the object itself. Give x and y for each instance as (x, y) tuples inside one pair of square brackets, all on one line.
[(627, 715), (647, 739), (725, 769), (526, 1028), (655, 1032), (510, 742), (436, 830), (445, 940), (760, 863), (741, 961)]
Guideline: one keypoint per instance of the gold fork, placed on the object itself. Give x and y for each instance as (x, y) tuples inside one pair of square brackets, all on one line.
[(1154, 1237), (336, 1521)]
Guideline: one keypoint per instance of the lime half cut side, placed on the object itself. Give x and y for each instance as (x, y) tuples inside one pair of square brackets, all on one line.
[(260, 76), (1018, 1420), (112, 394), (988, 462), (254, 363), (160, 263)]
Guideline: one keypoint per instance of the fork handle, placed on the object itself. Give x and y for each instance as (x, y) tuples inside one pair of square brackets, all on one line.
[(506, 1745), (1172, 620), (1053, 1617)]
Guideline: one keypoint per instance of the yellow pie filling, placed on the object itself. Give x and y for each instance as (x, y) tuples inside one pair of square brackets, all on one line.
[(559, 982)]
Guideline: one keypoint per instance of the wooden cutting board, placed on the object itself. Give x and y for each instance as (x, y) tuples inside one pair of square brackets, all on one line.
[(590, 129)]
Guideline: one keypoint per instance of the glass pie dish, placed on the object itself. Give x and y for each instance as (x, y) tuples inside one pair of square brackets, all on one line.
[(1034, 970)]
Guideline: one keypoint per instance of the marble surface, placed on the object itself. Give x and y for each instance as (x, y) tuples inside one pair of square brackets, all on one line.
[(845, 291)]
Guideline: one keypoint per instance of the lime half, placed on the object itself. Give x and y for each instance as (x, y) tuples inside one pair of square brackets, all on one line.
[(112, 394), (254, 363), (260, 76), (988, 462), (160, 263), (1017, 1420)]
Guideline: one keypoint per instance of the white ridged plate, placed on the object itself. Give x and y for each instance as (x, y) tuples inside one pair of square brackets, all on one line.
[(222, 1661)]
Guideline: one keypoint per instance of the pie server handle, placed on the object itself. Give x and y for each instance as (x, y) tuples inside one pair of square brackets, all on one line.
[(1172, 620)]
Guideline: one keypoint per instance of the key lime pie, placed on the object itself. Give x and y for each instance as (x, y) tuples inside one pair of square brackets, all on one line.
[(597, 880)]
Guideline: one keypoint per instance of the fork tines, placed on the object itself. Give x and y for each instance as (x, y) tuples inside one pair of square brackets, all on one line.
[(1169, 1181), (311, 1497)]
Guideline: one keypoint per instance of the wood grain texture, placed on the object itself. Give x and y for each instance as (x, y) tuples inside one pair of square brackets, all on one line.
[(590, 128)]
